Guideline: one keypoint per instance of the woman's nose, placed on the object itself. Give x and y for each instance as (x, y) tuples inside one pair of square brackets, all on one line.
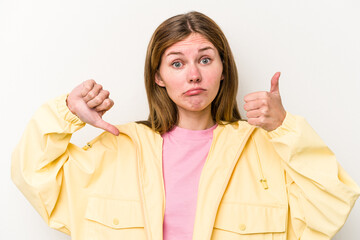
[(194, 73)]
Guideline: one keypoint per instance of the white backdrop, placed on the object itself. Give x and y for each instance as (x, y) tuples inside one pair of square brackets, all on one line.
[(49, 47)]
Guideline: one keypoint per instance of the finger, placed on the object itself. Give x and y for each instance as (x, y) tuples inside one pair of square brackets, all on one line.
[(99, 99), (253, 121), (87, 87), (253, 114), (275, 83), (107, 127), (101, 113), (255, 95), (93, 93), (258, 121), (255, 104), (105, 105)]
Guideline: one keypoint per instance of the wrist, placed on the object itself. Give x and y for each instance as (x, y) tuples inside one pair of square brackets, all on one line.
[(69, 106), (65, 112)]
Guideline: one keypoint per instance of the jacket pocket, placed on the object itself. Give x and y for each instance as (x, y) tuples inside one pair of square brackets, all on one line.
[(237, 221), (114, 219)]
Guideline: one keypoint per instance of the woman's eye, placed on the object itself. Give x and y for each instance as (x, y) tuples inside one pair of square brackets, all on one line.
[(177, 64), (205, 60)]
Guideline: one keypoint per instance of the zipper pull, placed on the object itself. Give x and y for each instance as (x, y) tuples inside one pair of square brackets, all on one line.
[(87, 146), (264, 183)]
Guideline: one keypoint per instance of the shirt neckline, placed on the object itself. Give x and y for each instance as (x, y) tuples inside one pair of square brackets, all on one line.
[(188, 134)]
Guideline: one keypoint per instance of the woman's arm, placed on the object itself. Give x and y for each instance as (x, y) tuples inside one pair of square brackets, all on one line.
[(44, 150), (38, 159), (321, 194)]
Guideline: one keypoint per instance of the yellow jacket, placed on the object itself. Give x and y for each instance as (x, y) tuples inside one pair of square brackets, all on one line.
[(255, 185)]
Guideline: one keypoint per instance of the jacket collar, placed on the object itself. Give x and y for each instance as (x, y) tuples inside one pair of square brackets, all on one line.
[(227, 145)]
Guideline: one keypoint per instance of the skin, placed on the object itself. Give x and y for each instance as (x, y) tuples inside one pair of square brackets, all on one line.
[(193, 63), (265, 109), (89, 102)]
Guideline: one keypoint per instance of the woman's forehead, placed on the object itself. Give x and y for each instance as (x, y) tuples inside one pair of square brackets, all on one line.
[(193, 41)]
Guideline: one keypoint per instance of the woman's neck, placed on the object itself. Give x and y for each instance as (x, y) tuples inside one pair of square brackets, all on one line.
[(195, 120)]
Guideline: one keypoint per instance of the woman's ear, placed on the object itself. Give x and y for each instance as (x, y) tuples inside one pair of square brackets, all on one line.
[(222, 77), (158, 80)]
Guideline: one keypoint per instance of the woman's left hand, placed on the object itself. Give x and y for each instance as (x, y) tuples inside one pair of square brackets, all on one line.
[(264, 109)]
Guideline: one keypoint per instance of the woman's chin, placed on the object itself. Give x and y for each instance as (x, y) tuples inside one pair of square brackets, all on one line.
[(200, 107)]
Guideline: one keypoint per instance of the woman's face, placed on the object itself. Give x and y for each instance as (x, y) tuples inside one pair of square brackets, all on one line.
[(191, 71)]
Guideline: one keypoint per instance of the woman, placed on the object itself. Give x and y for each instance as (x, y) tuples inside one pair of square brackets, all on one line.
[(194, 170)]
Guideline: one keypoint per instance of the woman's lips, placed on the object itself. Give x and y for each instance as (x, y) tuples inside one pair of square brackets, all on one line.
[(194, 91)]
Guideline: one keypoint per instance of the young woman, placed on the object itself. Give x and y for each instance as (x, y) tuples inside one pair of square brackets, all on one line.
[(194, 169)]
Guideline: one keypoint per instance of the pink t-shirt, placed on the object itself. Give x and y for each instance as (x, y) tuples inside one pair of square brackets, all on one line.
[(184, 155)]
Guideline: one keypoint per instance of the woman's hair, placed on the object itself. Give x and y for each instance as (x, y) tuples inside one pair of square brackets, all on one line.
[(163, 111)]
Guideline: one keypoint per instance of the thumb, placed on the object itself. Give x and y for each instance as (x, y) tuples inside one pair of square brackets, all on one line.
[(275, 83), (107, 127)]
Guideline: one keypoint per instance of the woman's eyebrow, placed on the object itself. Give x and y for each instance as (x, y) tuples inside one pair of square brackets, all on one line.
[(180, 53), (174, 53), (206, 48)]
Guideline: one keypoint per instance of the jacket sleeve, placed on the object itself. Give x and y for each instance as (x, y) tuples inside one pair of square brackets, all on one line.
[(320, 193), (37, 166)]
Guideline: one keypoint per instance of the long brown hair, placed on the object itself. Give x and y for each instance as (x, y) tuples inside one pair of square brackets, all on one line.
[(163, 111)]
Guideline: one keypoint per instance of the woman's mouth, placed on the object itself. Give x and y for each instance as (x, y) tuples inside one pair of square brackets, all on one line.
[(194, 91)]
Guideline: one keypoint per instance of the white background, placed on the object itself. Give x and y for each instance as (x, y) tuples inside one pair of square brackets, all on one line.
[(49, 47)]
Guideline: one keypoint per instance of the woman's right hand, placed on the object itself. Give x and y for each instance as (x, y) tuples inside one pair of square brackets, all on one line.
[(89, 101)]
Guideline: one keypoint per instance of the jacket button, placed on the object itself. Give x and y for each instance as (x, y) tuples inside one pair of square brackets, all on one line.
[(116, 221), (242, 227)]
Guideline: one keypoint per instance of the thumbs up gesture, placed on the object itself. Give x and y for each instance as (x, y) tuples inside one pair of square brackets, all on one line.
[(264, 109), (89, 102)]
